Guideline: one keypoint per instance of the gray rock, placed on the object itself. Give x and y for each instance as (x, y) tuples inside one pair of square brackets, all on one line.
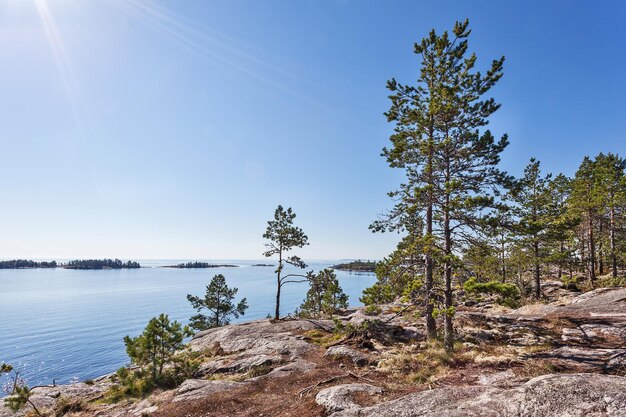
[(497, 379), (46, 397), (342, 351), (573, 395), (339, 397), (299, 366), (193, 389), (583, 359), (260, 337), (242, 363)]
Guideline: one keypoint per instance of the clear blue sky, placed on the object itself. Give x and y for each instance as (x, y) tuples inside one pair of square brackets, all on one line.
[(172, 129)]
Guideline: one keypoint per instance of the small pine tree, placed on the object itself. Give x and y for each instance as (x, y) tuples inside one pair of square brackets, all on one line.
[(218, 299), (18, 392), (324, 297), (156, 347), (283, 236)]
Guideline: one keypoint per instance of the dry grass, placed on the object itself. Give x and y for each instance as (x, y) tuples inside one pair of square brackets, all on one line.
[(322, 338), (424, 364)]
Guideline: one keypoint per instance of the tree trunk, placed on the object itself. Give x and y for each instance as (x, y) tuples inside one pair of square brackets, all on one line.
[(537, 274), (503, 260), (583, 256), (277, 311), (280, 270), (592, 249), (559, 272), (448, 329), (612, 239), (448, 341), (431, 325), (600, 251)]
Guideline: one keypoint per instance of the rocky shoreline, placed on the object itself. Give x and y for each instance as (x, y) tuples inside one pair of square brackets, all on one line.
[(565, 357)]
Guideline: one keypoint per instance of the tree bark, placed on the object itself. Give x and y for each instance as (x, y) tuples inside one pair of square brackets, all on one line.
[(503, 260), (448, 329), (612, 239), (559, 272), (279, 285), (600, 250), (448, 341), (592, 248), (431, 325), (537, 273)]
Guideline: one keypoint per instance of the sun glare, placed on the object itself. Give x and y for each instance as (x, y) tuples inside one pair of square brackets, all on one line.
[(61, 57)]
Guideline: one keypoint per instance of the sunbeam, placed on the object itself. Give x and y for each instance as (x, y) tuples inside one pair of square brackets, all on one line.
[(173, 27), (63, 62)]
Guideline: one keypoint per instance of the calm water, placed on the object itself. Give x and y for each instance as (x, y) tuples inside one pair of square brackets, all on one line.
[(68, 325)]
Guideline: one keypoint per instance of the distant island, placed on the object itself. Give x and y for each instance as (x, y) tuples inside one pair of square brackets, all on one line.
[(193, 265), (357, 266), (101, 264), (25, 264), (262, 265)]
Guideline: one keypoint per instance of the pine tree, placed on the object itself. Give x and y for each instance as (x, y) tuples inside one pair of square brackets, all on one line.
[(324, 297), (218, 299), (466, 158), (611, 180), (283, 236), (402, 268), (19, 394), (586, 203), (561, 225), (535, 215), (155, 348), (449, 163)]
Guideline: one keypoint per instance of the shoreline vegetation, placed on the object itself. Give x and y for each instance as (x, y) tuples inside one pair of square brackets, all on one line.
[(26, 264), (200, 265), (83, 264), (101, 264), (356, 266)]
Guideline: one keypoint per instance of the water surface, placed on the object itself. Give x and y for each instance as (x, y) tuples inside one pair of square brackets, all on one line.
[(64, 325)]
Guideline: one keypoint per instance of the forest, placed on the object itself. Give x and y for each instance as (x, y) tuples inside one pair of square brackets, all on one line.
[(356, 266), (101, 264), (195, 265), (23, 264), (469, 227)]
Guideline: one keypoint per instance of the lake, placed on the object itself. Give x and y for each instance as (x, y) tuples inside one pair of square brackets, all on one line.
[(67, 325)]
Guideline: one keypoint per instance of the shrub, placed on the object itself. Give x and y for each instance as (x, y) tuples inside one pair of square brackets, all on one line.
[(372, 310), (160, 364), (508, 293), (68, 405), (378, 293)]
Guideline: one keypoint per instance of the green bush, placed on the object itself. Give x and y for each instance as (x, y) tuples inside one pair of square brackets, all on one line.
[(159, 360), (324, 297), (612, 282), (377, 294), (508, 293), (372, 310)]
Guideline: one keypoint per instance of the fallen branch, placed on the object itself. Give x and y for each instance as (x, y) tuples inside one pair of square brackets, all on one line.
[(333, 379)]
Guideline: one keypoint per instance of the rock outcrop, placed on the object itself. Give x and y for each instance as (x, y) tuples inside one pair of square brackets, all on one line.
[(563, 358), (577, 395), (340, 397)]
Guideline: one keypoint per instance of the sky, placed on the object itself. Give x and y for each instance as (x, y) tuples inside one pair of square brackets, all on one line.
[(171, 129)]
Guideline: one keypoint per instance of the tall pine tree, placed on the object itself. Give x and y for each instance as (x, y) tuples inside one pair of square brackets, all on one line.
[(450, 163)]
